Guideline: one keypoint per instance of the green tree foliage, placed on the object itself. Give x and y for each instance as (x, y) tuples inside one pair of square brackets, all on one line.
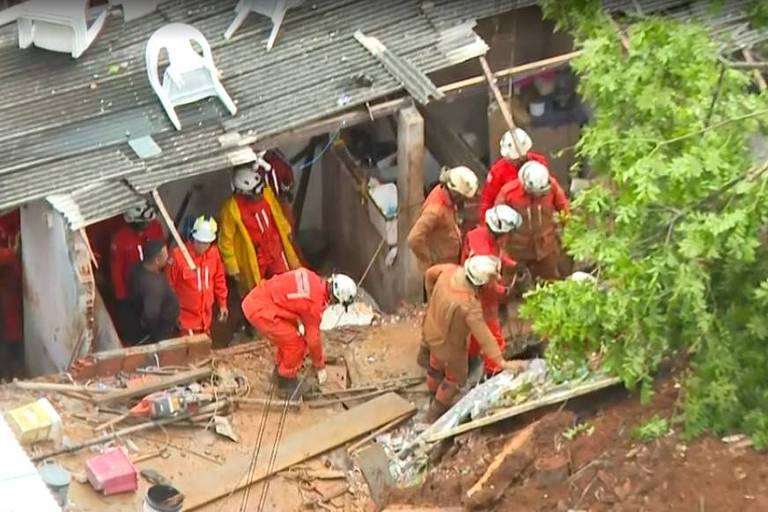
[(674, 223)]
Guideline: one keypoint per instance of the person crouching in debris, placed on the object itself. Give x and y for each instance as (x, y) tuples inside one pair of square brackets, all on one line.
[(539, 199), (515, 150), (488, 240), (436, 236), (453, 313), (287, 310), (255, 240), (199, 289), (154, 304)]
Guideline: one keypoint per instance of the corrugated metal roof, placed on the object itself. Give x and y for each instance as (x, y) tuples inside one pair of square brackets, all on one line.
[(94, 202), (64, 123)]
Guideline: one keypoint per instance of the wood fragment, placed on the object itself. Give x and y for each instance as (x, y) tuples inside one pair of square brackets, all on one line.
[(510, 447), (505, 111), (276, 403), (324, 436), (757, 74), (159, 385), (52, 386), (112, 422), (172, 228)]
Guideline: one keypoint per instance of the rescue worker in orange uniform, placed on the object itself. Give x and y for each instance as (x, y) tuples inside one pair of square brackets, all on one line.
[(454, 312), (507, 166), (488, 240), (287, 310), (11, 302), (255, 241), (436, 235), (141, 226), (540, 200), (198, 290)]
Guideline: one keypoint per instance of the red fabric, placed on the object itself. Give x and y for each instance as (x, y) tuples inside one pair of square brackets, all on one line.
[(474, 347), (441, 381), (282, 172), (100, 236), (260, 224), (501, 173), (125, 252), (276, 307), (514, 194), (197, 290), (11, 308)]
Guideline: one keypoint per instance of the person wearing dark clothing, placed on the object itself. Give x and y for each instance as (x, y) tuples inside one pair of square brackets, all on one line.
[(154, 304)]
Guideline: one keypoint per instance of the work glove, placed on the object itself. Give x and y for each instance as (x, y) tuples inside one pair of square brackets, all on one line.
[(301, 329), (515, 366), (322, 376)]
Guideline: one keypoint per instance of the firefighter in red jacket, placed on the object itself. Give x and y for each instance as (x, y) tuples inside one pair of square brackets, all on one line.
[(506, 168), (200, 289), (141, 226), (488, 240), (541, 202), (287, 310), (11, 309)]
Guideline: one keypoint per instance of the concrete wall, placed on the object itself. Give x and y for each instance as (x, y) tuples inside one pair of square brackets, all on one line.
[(351, 237), (54, 312)]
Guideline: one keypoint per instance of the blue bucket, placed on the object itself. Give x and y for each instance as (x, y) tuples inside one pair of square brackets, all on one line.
[(57, 479)]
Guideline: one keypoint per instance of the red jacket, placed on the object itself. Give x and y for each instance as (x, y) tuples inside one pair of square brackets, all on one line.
[(260, 224), (296, 296), (197, 289), (481, 242), (125, 252), (10, 279), (537, 237), (501, 173)]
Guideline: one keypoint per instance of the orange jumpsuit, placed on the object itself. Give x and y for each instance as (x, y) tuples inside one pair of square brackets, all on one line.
[(536, 243), (501, 173), (10, 279), (435, 237), (197, 290), (481, 242), (260, 224), (125, 252), (278, 305)]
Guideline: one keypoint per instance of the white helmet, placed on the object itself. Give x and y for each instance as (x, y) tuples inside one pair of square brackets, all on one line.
[(204, 229), (535, 178), (507, 146), (343, 288), (582, 277), (460, 180), (138, 214), (502, 219), (480, 270), (248, 181)]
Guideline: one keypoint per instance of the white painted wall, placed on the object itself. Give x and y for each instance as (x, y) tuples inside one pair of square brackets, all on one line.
[(54, 316)]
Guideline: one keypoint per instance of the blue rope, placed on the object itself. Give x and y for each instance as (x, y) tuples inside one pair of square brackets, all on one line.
[(323, 151)]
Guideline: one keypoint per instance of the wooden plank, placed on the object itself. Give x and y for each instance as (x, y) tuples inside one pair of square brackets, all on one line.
[(159, 385), (374, 464), (511, 412), (511, 447), (410, 194), (172, 228), (298, 447)]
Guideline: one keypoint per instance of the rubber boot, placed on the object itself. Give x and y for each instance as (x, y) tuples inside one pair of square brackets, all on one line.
[(423, 358), (436, 409), (288, 387)]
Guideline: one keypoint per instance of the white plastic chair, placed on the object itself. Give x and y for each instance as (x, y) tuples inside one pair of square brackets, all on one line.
[(59, 26), (134, 9), (190, 76), (274, 9)]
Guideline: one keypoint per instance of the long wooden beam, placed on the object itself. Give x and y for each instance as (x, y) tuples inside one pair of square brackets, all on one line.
[(389, 107)]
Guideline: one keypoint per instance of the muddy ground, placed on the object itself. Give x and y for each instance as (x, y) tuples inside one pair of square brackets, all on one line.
[(605, 470)]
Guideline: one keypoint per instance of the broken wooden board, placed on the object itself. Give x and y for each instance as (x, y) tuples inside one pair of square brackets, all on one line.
[(548, 399), (374, 464), (300, 446), (153, 387)]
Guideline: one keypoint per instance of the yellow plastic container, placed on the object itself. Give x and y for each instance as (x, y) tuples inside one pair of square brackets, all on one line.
[(35, 422)]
